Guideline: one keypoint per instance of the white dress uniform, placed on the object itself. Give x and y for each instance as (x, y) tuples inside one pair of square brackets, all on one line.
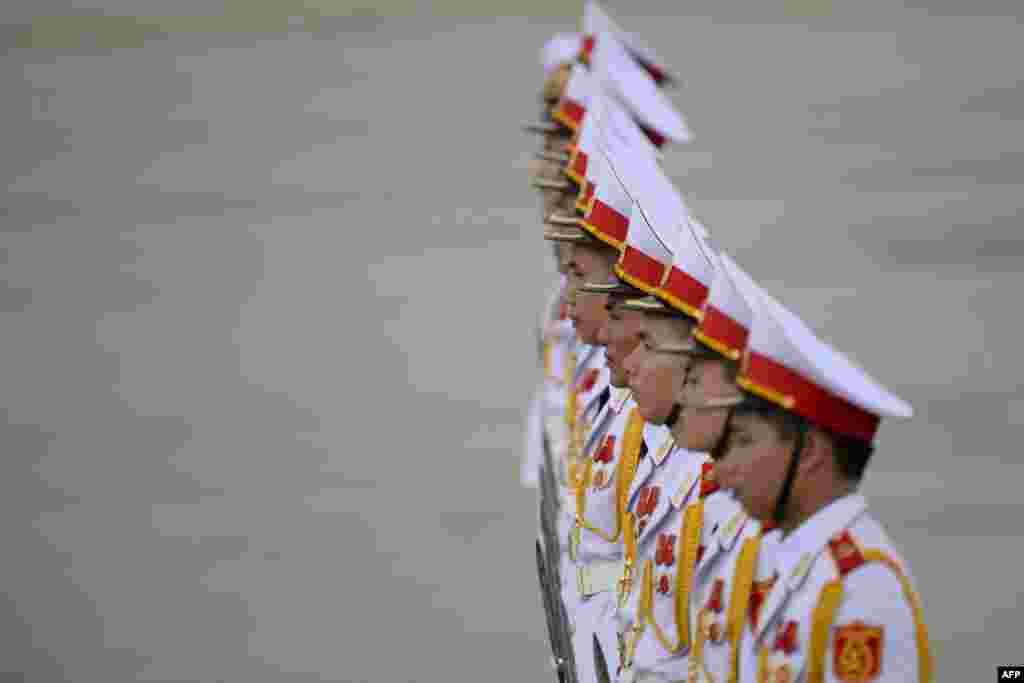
[(727, 583), (726, 579), (698, 531), (595, 533), (588, 393), (648, 634), (841, 606)]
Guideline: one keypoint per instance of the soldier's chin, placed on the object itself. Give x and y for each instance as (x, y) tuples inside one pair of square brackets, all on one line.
[(649, 416)]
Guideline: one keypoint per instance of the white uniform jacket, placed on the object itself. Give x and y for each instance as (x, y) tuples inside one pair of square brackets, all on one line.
[(842, 607)]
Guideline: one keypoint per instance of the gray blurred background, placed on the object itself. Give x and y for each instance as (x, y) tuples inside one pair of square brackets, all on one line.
[(270, 276)]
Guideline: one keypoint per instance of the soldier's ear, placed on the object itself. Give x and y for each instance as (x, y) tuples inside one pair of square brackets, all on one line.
[(817, 453)]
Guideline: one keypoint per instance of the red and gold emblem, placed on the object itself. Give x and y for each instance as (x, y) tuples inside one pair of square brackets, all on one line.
[(857, 652), (708, 483), (714, 603), (588, 380), (604, 453), (758, 592), (665, 555), (646, 503), (785, 638)]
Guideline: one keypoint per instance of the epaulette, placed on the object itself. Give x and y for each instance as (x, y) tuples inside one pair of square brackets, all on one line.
[(845, 552), (708, 483)]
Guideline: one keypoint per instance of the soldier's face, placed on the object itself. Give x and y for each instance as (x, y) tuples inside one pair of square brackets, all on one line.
[(589, 264), (656, 376), (620, 336), (702, 427), (755, 462)]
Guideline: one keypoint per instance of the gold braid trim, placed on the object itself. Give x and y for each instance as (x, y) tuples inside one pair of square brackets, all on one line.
[(762, 666), (629, 459), (570, 421), (924, 655), (695, 666), (629, 555), (646, 600), (821, 622), (824, 615), (689, 535), (739, 600)]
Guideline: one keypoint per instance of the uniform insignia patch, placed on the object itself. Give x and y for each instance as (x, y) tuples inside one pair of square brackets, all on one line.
[(845, 552), (604, 453), (714, 603), (588, 380), (759, 591), (664, 584), (785, 638), (646, 505), (708, 483), (857, 652), (665, 555)]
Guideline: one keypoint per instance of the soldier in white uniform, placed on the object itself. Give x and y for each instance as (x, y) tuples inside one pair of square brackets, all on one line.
[(653, 617), (611, 457), (649, 511), (841, 606), (724, 578)]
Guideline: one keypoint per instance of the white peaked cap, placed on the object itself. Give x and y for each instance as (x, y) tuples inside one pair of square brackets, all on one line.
[(618, 128), (560, 49), (608, 212), (619, 74), (585, 147), (573, 103), (694, 265), (729, 310), (647, 255), (597, 21), (788, 364)]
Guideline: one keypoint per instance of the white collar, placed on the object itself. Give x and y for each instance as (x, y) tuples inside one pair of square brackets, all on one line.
[(796, 551)]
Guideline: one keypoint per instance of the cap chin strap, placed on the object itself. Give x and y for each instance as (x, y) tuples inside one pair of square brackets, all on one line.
[(787, 484), (673, 415), (718, 450)]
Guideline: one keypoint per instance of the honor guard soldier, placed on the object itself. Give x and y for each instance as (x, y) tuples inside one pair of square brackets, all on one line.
[(672, 506), (841, 605), (611, 456), (724, 577)]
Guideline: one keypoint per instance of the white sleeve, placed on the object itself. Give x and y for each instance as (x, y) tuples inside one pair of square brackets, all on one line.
[(873, 635)]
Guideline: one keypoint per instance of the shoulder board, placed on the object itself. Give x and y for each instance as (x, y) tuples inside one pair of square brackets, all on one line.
[(845, 552)]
